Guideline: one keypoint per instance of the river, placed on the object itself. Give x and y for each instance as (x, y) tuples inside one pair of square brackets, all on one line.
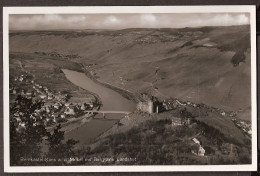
[(111, 101)]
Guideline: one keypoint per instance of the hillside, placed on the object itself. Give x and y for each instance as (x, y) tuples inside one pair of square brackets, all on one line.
[(208, 65)]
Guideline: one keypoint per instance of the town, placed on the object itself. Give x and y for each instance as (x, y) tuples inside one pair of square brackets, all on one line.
[(56, 106)]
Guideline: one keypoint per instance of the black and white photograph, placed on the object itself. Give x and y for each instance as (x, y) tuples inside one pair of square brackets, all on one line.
[(130, 89)]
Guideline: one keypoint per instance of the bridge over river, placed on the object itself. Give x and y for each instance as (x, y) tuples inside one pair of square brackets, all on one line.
[(114, 107), (108, 112)]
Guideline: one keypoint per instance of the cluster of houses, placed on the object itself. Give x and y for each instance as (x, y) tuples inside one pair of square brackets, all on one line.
[(55, 54), (169, 104), (58, 112), (180, 122), (90, 65), (155, 38), (56, 108), (173, 103), (147, 40), (35, 90), (17, 90), (20, 78), (243, 125)]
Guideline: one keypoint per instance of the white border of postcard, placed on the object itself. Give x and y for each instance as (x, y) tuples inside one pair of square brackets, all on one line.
[(128, 9)]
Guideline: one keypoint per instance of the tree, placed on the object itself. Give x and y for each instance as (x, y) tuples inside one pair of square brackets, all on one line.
[(25, 142), (57, 148)]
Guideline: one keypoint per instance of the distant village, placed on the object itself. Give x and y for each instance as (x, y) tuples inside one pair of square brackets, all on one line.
[(56, 108), (55, 54)]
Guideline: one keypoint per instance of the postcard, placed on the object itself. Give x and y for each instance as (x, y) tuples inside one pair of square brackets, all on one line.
[(130, 88)]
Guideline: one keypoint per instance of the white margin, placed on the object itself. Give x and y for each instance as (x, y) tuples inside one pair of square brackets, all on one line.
[(128, 9)]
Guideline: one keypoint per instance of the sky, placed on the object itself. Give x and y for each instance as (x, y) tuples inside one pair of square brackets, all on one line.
[(122, 21)]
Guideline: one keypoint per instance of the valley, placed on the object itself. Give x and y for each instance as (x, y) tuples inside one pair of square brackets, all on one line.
[(198, 79)]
